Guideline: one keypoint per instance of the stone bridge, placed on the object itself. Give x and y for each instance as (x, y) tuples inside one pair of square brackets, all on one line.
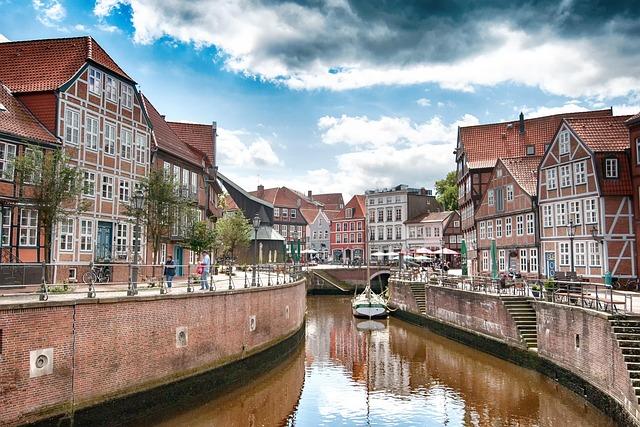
[(330, 279)]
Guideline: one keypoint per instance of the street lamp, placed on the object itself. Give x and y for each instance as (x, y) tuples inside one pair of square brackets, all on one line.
[(441, 257), (137, 201), (571, 232), (256, 225), (600, 239)]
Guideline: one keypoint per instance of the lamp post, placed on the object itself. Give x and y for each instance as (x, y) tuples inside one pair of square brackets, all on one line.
[(441, 257), (571, 232), (256, 225), (137, 201), (600, 239)]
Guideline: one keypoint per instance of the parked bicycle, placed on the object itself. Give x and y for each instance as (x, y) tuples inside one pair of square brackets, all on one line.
[(97, 274), (629, 285)]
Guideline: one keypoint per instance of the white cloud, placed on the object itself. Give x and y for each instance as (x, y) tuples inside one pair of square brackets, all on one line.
[(423, 102), (80, 27), (315, 47), (622, 109), (3, 38), (49, 12), (568, 107), (108, 28), (239, 148)]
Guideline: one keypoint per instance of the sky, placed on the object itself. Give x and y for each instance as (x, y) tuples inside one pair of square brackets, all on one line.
[(350, 95)]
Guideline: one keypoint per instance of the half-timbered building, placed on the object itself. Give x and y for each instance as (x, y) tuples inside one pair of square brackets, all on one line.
[(478, 149), (633, 123), (83, 97), (585, 191), (507, 214)]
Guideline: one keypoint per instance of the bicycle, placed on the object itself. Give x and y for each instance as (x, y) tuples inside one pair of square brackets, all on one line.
[(97, 274)]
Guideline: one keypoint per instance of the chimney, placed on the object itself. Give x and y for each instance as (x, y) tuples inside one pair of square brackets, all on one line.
[(309, 195), (260, 193), (521, 122)]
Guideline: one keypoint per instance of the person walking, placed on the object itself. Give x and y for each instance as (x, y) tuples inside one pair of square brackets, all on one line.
[(206, 264), (169, 270)]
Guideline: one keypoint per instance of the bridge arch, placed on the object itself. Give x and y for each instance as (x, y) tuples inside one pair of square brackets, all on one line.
[(379, 273)]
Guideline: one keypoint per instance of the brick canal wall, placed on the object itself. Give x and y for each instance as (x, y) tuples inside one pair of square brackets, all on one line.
[(108, 348), (595, 369)]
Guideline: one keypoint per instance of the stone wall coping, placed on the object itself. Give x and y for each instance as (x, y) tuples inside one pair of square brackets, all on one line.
[(143, 298), (589, 311)]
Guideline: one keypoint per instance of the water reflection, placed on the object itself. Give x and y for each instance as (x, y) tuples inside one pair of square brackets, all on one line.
[(351, 373)]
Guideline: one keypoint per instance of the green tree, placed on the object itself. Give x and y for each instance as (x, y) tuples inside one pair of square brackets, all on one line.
[(447, 192), (52, 186), (164, 208), (234, 231), (200, 236)]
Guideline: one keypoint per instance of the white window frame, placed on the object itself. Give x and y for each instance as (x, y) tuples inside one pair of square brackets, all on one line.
[(594, 254), (509, 193), (126, 141), (141, 148), (575, 211), (124, 191), (498, 228), (28, 227), (7, 161), (490, 198), (109, 146), (551, 176), (502, 260), (565, 176), (194, 183), (111, 89), (292, 213), (71, 126), (276, 212), (95, 81), (122, 238), (5, 231), (89, 184), (485, 260), (67, 226), (523, 260), (490, 229), (561, 214), (563, 249), (91, 132), (590, 211), (508, 226), (564, 143), (107, 187), (530, 224), (580, 172), (533, 260), (86, 235), (580, 254), (127, 96), (520, 225), (547, 216), (611, 168), (482, 227)]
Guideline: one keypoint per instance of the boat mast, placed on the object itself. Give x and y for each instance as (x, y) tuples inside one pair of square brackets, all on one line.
[(366, 247)]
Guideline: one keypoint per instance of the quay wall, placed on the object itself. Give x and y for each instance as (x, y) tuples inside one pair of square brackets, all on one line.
[(106, 349), (595, 370)]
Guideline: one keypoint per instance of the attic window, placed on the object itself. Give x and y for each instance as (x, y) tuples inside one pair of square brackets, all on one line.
[(2, 107), (611, 168), (531, 150)]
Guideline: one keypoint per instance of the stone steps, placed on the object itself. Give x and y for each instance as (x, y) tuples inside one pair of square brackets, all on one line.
[(524, 315), (627, 333), (419, 294)]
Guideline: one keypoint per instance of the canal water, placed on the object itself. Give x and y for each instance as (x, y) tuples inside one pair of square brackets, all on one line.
[(397, 374)]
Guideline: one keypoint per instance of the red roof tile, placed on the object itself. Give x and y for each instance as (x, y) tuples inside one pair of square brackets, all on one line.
[(484, 144), (621, 186), (602, 133), (333, 201), (200, 136), (16, 120), (45, 65), (357, 202), (633, 120), (430, 217), (309, 214), (284, 197), (524, 171), (166, 138)]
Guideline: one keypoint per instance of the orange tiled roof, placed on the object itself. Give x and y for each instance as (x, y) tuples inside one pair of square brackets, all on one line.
[(166, 138), (309, 214), (16, 120), (358, 203), (200, 136), (329, 200), (284, 197), (621, 186), (45, 65), (430, 217), (602, 133), (524, 171), (484, 144)]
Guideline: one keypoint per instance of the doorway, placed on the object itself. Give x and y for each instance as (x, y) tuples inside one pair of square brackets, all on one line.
[(177, 256), (104, 241)]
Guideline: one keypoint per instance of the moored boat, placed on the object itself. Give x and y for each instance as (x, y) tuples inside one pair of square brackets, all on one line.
[(369, 305)]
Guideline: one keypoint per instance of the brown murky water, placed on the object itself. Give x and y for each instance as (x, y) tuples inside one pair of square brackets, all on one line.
[(398, 375)]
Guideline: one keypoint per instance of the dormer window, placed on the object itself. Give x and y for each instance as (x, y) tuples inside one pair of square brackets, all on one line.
[(349, 213), (293, 213), (531, 150), (611, 168), (563, 141)]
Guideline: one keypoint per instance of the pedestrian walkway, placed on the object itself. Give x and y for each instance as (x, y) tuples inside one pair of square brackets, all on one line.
[(81, 291)]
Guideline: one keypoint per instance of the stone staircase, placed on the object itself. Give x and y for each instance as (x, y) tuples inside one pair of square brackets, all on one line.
[(524, 315), (327, 279), (419, 294), (627, 332)]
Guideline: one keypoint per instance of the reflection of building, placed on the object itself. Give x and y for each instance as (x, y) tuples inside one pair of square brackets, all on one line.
[(347, 231), (388, 210)]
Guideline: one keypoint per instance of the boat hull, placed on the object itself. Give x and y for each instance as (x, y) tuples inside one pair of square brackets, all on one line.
[(370, 311)]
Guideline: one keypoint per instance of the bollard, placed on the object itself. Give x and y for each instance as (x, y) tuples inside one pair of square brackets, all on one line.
[(163, 287), (189, 287)]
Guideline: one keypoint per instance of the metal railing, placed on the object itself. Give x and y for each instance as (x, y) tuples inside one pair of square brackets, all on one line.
[(589, 295)]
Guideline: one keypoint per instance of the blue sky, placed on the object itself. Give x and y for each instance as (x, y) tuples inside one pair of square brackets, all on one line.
[(347, 95)]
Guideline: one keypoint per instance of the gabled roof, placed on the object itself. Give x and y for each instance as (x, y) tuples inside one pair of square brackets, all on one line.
[(633, 120), (46, 65), (200, 136), (524, 171), (310, 214), (430, 217), (332, 201), (484, 144), (602, 133), (167, 140), (17, 121), (284, 197), (357, 202)]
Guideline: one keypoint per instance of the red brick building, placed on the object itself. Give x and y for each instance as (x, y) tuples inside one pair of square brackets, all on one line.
[(507, 214), (585, 187), (633, 123), (81, 95), (478, 149), (348, 232), (21, 240)]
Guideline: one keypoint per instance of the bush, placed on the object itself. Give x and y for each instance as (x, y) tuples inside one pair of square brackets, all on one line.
[(61, 289)]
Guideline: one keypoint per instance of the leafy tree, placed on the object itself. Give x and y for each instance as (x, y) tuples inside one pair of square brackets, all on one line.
[(447, 192), (163, 209), (52, 186), (234, 232), (201, 236)]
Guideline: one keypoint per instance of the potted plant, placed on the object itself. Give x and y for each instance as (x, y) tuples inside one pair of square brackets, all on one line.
[(535, 290), (549, 287)]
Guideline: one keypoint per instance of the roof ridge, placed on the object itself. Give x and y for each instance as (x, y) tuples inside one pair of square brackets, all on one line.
[(541, 117), (45, 40)]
